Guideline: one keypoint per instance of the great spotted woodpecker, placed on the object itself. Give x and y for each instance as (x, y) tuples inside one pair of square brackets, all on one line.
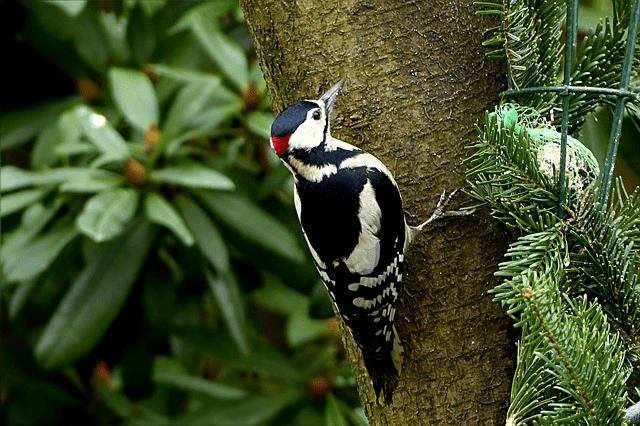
[(351, 214)]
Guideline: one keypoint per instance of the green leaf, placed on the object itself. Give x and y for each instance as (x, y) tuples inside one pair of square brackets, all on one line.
[(72, 179), (105, 214), (94, 299), (274, 296), (100, 132), (134, 413), (12, 177), (333, 414), (141, 34), (35, 256), (218, 344), (33, 220), (90, 41), (106, 159), (43, 152), (208, 239), (94, 180), (114, 400), (358, 417), (226, 292), (301, 329), (250, 411), (71, 7), (135, 97), (160, 211), (211, 10), (151, 7), (226, 54), (256, 77), (69, 133), (20, 296), (112, 28), (184, 75), (189, 102), (204, 123), (259, 122), (253, 223), (169, 372), (19, 200), (212, 117), (21, 125), (69, 126), (200, 386), (74, 148), (193, 175)]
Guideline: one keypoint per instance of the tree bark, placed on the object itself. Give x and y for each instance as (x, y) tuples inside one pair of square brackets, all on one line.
[(417, 82)]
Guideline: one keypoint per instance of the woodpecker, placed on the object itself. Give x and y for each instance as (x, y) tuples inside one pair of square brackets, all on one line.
[(351, 214)]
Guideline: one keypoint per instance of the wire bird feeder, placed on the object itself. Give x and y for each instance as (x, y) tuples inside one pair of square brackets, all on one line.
[(622, 95)]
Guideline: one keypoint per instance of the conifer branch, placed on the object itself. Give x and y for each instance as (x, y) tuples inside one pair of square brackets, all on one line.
[(570, 284), (529, 40)]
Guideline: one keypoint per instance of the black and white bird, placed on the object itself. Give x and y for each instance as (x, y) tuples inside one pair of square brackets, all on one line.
[(350, 209)]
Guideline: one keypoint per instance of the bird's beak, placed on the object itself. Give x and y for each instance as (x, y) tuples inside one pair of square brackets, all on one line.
[(330, 96)]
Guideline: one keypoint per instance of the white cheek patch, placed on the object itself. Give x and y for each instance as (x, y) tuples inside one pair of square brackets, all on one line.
[(308, 135), (365, 255)]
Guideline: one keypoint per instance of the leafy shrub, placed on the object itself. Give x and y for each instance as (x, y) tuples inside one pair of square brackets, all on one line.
[(151, 264)]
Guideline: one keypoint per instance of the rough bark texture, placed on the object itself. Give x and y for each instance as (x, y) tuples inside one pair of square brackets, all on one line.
[(417, 82)]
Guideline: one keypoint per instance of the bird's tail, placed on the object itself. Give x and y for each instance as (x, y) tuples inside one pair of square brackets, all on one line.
[(384, 369)]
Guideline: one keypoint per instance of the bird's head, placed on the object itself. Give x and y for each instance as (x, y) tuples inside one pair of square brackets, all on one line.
[(305, 124)]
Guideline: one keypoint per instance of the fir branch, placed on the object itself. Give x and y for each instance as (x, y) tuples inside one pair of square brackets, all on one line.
[(531, 255), (530, 380), (497, 33), (598, 64), (586, 360), (570, 368), (610, 266), (573, 367), (529, 40), (504, 174), (532, 43), (628, 208)]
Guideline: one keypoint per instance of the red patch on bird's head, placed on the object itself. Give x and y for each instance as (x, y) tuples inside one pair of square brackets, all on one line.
[(280, 145)]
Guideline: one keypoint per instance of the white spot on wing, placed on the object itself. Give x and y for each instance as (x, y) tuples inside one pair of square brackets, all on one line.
[(361, 302), (367, 160), (364, 257)]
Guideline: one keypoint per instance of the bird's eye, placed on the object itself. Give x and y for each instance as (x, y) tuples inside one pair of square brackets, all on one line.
[(316, 115)]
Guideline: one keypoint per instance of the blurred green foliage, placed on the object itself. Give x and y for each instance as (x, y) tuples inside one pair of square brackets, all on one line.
[(152, 267)]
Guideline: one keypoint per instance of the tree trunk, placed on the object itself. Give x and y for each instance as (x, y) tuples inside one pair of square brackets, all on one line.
[(417, 82)]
